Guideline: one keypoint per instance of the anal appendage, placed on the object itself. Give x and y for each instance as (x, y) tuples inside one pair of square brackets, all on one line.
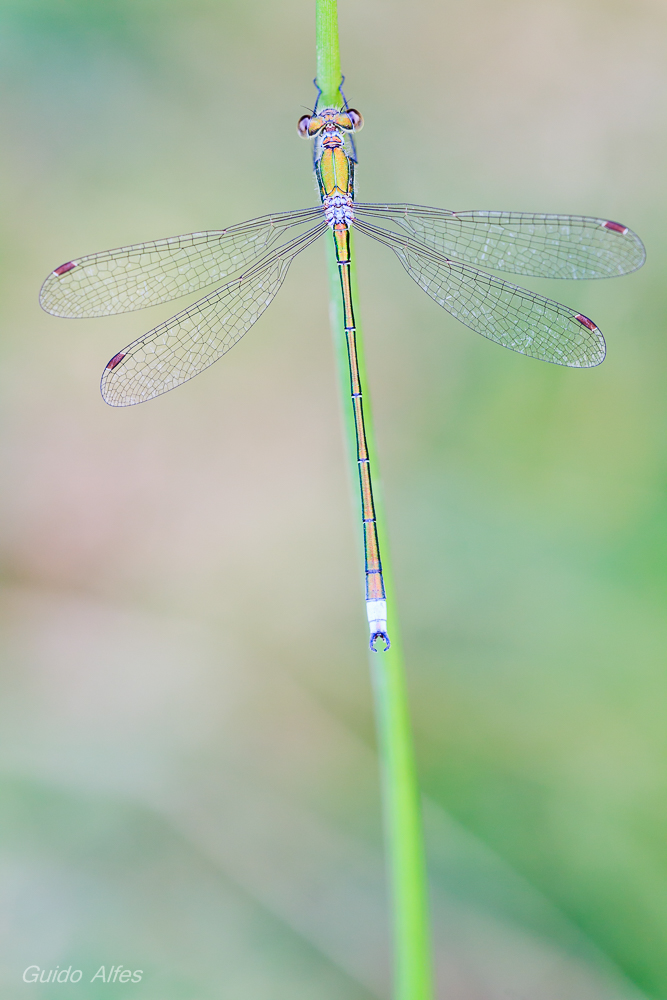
[(377, 622)]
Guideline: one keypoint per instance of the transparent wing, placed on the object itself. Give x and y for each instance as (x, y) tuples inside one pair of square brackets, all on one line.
[(194, 338), (514, 317), (146, 274), (546, 246)]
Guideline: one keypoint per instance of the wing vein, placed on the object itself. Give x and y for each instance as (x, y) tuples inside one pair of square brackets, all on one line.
[(505, 313), (548, 246), (147, 274), (187, 343)]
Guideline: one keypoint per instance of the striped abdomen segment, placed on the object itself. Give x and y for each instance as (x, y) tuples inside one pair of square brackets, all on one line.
[(376, 602)]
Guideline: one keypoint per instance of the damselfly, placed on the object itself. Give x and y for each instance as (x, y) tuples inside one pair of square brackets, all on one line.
[(441, 250)]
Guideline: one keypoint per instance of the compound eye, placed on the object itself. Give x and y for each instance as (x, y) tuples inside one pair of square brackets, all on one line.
[(356, 119), (302, 126)]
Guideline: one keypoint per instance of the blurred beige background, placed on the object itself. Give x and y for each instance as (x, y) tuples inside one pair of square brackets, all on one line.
[(189, 776)]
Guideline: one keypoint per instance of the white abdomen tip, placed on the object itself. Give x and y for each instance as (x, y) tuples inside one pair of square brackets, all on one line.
[(377, 615)]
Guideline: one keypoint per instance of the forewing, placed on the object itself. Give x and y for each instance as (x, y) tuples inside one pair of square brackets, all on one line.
[(196, 337), (511, 316), (546, 246), (146, 274)]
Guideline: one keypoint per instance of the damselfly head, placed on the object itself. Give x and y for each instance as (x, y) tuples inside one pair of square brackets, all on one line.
[(330, 119)]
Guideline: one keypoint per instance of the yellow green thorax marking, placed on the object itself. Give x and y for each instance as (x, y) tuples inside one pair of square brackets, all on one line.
[(335, 175)]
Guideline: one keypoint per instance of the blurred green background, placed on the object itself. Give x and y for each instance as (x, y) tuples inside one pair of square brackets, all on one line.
[(189, 780)]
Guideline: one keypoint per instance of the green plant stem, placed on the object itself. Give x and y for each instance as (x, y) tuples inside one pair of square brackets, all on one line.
[(328, 52), (401, 804)]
